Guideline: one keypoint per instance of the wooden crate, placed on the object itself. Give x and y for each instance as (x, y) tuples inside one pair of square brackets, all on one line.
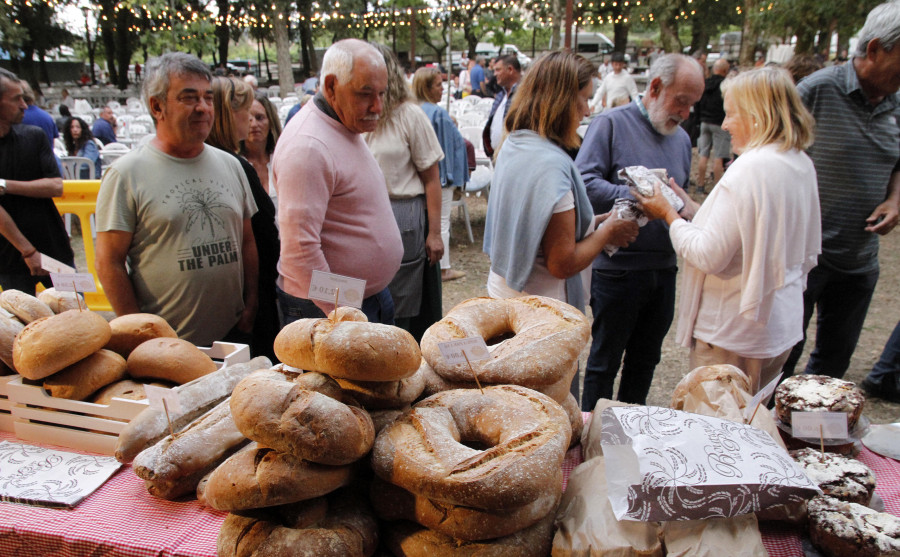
[(37, 416), (6, 419)]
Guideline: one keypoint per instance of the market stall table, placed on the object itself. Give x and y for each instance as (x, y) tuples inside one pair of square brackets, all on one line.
[(122, 520)]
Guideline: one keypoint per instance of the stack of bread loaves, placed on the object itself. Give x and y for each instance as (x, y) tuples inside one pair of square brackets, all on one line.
[(75, 353), (466, 472), (534, 342)]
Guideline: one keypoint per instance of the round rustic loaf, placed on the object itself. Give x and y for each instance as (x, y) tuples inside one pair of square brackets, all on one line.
[(818, 393), (408, 539), (54, 343), (126, 389), (169, 359), (131, 330), (463, 523), (547, 337), (24, 306), (381, 395), (260, 477), (434, 383), (836, 475), (356, 350), (498, 450), (337, 526), (60, 301), (290, 418), (84, 377), (9, 328)]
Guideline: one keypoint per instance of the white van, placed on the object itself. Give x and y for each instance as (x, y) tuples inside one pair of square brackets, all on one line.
[(593, 46), (489, 50)]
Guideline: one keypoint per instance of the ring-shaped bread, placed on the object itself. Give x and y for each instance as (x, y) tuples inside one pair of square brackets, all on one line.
[(290, 418), (434, 383), (547, 339), (260, 477), (349, 347), (498, 450), (463, 523), (339, 525)]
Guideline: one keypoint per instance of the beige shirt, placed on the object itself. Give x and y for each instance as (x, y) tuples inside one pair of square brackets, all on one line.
[(403, 147)]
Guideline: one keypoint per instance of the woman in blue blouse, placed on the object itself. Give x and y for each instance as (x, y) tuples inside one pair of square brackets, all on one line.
[(80, 143)]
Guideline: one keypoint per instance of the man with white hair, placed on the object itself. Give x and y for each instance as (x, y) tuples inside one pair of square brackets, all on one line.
[(333, 208), (633, 292), (857, 159)]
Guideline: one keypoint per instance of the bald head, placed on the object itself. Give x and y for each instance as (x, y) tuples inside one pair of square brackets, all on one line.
[(721, 67)]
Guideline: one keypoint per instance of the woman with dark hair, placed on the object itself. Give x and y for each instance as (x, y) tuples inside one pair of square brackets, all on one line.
[(257, 148), (232, 99), (80, 143), (408, 151), (454, 168)]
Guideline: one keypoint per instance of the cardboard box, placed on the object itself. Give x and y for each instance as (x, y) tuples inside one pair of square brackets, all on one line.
[(37, 416)]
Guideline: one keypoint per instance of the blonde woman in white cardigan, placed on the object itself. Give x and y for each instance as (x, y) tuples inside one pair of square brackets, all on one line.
[(754, 240)]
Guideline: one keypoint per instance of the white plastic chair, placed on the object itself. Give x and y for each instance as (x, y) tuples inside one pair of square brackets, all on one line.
[(113, 151), (72, 166)]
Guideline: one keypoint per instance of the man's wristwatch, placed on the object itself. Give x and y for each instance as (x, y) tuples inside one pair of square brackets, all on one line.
[(2, 186)]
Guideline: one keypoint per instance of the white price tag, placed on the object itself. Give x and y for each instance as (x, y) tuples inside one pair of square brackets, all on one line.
[(53, 266), (761, 398), (322, 287), (456, 351), (73, 282), (806, 425), (156, 396)]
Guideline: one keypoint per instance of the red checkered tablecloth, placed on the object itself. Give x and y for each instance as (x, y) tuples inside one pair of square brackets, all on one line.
[(122, 520)]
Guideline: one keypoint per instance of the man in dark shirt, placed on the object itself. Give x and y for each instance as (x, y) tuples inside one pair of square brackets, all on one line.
[(713, 139), (29, 177)]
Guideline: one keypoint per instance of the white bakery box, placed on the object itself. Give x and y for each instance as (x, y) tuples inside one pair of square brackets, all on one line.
[(37, 416), (6, 419)]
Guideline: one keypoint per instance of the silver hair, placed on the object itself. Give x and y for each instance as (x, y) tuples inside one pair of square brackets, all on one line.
[(666, 66), (6, 74), (883, 25), (160, 70), (338, 59)]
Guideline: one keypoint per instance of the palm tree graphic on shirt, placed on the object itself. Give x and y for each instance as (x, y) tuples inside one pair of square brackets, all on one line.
[(201, 206)]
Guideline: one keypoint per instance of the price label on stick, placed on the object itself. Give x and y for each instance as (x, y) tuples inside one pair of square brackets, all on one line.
[(813, 425), (456, 351), (156, 396), (761, 398), (73, 282), (53, 266), (323, 287)]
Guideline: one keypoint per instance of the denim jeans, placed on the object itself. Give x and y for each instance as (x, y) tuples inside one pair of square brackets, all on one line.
[(885, 375), (379, 308), (841, 302), (632, 314)]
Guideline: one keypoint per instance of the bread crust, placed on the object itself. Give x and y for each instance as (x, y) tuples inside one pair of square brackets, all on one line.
[(526, 434), (51, 344), (24, 306), (382, 395), (83, 378), (818, 393), (355, 350), (260, 477), (9, 328), (169, 359), (549, 336), (131, 330), (292, 419), (60, 301)]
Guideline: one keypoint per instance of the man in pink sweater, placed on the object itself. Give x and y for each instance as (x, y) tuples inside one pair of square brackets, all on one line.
[(333, 208)]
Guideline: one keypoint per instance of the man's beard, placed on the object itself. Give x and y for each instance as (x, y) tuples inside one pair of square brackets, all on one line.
[(659, 117)]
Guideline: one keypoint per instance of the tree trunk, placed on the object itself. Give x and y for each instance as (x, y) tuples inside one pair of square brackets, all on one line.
[(283, 49), (222, 30), (109, 39), (620, 36), (555, 38), (699, 37), (668, 34), (266, 58), (805, 40), (123, 49), (749, 33)]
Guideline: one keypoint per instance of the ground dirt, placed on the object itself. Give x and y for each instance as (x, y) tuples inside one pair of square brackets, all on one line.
[(882, 317)]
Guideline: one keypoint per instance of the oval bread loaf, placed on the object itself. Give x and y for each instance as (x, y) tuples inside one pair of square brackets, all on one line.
[(54, 343), (356, 350), (126, 389), (131, 330), (83, 378), (60, 301), (9, 328), (24, 306), (169, 359)]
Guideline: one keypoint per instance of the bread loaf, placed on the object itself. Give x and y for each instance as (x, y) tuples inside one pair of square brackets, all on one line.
[(52, 344), (24, 306), (131, 330), (174, 466), (259, 477), (169, 359), (380, 395), (126, 389), (196, 399), (60, 301), (83, 378), (9, 328)]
